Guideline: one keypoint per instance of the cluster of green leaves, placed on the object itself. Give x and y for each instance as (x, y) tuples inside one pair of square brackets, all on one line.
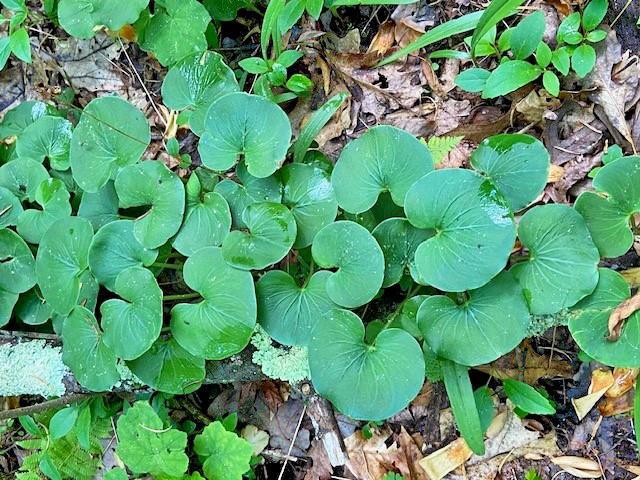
[(515, 46), (17, 39)]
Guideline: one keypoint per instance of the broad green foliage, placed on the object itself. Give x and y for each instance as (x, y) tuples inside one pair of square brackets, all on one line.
[(146, 446), (81, 18), (47, 138), (308, 192), (226, 10), (351, 249), (562, 267), (383, 159), (221, 324), (137, 318), (86, 354), (474, 230), (10, 208), (608, 211), (194, 83), (114, 249), (225, 456), (589, 323), (370, 382), (490, 323), (506, 160), (32, 309), (52, 196), (100, 207), (22, 178), (289, 312), (111, 134), (207, 221), (168, 367), (242, 125), (20, 117), (152, 184), (272, 232), (17, 265), (527, 398), (176, 30), (62, 259)]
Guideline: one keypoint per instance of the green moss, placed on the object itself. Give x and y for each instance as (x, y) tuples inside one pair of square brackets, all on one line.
[(281, 363)]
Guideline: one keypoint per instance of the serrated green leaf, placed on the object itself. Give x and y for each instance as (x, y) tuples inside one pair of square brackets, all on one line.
[(226, 456)]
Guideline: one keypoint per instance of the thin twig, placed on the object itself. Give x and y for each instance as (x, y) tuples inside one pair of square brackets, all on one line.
[(293, 440), (40, 407)]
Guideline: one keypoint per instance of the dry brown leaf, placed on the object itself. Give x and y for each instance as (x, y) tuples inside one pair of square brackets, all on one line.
[(408, 462), (578, 466), (616, 406), (620, 314), (321, 468), (537, 106), (623, 380), (601, 381), (383, 40), (632, 276), (562, 6), (447, 459), (556, 172), (370, 459)]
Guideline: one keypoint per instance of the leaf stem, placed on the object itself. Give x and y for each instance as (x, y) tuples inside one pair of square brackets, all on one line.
[(171, 266), (181, 296)]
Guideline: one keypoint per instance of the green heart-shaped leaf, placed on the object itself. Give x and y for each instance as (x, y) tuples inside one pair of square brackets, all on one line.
[(589, 319), (517, 165), (365, 382), (226, 455), (32, 309), (351, 249), (8, 300), (152, 183), (85, 353), (308, 192), (114, 249), (288, 312), (133, 324), (176, 30), (399, 241), (169, 368), (111, 134), (563, 261), (474, 229), (609, 212), (47, 138), (194, 83), (17, 265), (61, 260), (100, 207), (406, 317), (490, 323), (88, 298), (22, 177), (17, 119), (10, 208), (272, 231), (80, 18), (206, 223), (221, 324), (53, 197), (383, 159), (240, 124)]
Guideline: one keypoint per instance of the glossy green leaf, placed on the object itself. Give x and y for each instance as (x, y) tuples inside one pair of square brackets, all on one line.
[(543, 55), (517, 165), (527, 35), (100, 207), (20, 44), (589, 318), (111, 134), (20, 117), (364, 382), (498, 10), (561, 60), (152, 184), (207, 221), (221, 324), (169, 368), (146, 446), (132, 324), (8, 301), (241, 125), (80, 18), (47, 138), (406, 317), (473, 79), (22, 177), (62, 422), (594, 14), (272, 232), (399, 241), (383, 159), (10, 208), (114, 249), (583, 60), (562, 267), (491, 322), (359, 261), (194, 83), (53, 198), (62, 258), (225, 455), (308, 192), (570, 25), (289, 312), (85, 353), (32, 309), (226, 10), (474, 229), (510, 76), (551, 83), (17, 265), (527, 398), (176, 30)]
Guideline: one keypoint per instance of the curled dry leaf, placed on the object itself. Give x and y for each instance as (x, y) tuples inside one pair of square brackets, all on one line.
[(447, 459), (623, 380), (620, 314), (616, 406), (601, 381), (578, 466), (538, 106)]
